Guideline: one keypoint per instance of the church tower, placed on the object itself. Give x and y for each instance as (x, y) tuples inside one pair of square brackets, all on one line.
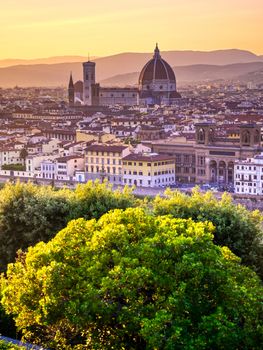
[(88, 82), (71, 91)]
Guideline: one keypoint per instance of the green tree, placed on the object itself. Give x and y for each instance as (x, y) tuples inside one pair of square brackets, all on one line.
[(134, 281), (94, 199), (236, 227), (23, 154), (29, 213)]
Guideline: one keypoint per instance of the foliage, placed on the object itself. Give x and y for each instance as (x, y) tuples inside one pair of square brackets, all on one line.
[(9, 346), (23, 154), (15, 167), (135, 281), (29, 213), (236, 227), (94, 199)]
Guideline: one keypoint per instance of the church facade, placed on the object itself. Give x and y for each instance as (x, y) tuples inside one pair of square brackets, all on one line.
[(157, 85)]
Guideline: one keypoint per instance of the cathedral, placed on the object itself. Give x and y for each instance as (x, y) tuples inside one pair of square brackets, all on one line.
[(157, 85)]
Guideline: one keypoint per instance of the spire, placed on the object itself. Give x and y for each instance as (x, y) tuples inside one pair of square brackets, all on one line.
[(71, 84), (156, 52)]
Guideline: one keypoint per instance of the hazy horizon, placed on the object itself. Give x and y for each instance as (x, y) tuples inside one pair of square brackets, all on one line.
[(124, 52), (33, 29)]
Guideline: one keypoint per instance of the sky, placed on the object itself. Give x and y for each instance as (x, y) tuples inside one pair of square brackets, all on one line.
[(37, 28)]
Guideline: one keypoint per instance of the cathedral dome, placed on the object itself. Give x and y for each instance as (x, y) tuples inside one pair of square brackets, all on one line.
[(156, 69), (157, 82)]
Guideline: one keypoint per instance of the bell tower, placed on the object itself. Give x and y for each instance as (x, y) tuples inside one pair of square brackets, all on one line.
[(88, 82)]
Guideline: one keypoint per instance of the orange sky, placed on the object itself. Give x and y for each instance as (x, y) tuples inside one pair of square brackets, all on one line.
[(34, 28)]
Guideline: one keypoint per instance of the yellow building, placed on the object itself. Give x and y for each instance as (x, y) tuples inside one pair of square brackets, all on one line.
[(105, 162), (148, 170)]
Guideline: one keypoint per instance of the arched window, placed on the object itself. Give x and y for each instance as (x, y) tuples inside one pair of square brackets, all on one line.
[(201, 135), (246, 137)]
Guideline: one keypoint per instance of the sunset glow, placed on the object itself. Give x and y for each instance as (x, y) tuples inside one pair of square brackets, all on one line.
[(33, 28)]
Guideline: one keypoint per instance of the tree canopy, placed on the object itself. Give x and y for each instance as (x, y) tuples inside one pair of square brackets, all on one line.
[(10, 346), (30, 213), (134, 281), (235, 227)]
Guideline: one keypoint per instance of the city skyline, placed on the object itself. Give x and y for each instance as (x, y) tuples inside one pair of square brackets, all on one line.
[(34, 29)]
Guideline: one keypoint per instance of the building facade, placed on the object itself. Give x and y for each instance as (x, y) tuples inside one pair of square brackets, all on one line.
[(148, 170), (210, 159), (249, 176), (104, 162)]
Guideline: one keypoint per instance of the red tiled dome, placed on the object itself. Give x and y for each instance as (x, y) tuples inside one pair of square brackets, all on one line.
[(156, 68)]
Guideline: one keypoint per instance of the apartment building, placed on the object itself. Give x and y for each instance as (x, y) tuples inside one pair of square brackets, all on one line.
[(61, 168), (249, 176), (10, 156), (104, 161), (148, 170)]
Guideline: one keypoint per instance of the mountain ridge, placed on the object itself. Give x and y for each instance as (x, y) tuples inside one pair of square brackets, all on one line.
[(184, 57), (107, 68)]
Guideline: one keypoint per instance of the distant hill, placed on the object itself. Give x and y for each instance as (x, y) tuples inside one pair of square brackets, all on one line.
[(117, 70), (133, 62), (200, 72), (49, 60)]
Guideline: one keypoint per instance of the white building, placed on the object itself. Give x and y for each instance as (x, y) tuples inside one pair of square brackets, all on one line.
[(248, 175), (62, 168), (67, 166), (48, 169), (33, 161), (10, 156)]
